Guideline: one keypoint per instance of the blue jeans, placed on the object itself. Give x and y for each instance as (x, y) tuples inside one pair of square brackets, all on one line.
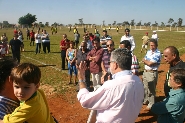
[(38, 47), (72, 68)]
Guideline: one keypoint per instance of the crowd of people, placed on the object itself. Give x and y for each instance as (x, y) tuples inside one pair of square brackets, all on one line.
[(116, 91)]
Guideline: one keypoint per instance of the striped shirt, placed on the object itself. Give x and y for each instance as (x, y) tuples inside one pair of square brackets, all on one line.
[(135, 64), (105, 38), (106, 59), (7, 106)]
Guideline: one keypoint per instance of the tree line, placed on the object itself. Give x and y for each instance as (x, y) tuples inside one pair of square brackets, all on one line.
[(30, 20)]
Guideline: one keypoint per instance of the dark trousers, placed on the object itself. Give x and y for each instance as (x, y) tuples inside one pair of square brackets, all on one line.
[(46, 45), (63, 57), (16, 56), (38, 47), (87, 78)]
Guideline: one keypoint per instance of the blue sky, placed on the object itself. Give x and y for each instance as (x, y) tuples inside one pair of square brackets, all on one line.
[(93, 11)]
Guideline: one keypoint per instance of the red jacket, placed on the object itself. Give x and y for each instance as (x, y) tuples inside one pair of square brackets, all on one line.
[(32, 34), (64, 43), (95, 66)]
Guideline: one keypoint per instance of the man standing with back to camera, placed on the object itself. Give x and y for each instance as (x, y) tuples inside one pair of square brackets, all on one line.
[(118, 100)]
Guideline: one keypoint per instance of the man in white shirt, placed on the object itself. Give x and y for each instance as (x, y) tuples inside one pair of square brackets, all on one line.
[(128, 37), (118, 100), (154, 36), (150, 75)]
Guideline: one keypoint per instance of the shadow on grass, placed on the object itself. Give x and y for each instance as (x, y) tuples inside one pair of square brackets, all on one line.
[(54, 44), (45, 65), (141, 72), (55, 52), (29, 51)]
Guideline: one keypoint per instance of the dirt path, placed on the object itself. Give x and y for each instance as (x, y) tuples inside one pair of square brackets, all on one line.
[(66, 109)]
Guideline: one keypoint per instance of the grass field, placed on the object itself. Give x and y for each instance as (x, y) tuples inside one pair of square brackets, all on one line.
[(58, 80)]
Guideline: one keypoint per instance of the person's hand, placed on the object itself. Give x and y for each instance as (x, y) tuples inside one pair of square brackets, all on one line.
[(102, 79), (143, 60), (81, 70)]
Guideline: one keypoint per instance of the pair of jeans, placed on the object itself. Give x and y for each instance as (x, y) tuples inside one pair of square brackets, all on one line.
[(46, 45), (38, 47)]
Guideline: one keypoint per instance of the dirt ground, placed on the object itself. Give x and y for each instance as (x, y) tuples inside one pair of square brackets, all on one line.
[(66, 108)]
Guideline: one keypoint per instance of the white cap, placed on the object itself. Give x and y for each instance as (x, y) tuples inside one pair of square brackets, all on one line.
[(154, 31)]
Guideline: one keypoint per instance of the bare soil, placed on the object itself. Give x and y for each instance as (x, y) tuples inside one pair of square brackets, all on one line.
[(66, 108)]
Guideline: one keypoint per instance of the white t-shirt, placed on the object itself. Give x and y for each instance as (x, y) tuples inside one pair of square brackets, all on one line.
[(20, 38), (37, 38)]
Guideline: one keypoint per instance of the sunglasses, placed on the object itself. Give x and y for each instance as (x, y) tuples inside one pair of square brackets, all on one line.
[(82, 46), (110, 45)]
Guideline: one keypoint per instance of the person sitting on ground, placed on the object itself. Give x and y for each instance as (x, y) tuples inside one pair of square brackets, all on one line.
[(33, 104), (172, 108)]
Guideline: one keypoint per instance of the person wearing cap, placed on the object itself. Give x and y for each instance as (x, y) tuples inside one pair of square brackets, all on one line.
[(104, 39), (150, 75), (15, 46), (145, 42), (129, 37), (154, 36)]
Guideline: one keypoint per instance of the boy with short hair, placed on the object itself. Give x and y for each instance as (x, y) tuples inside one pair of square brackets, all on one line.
[(33, 105)]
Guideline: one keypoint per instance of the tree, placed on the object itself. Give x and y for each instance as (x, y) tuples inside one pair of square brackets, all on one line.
[(114, 23), (147, 24), (81, 21), (139, 23), (125, 23), (27, 19), (180, 22), (132, 23), (162, 25), (174, 24), (47, 24), (156, 23), (103, 23), (170, 21)]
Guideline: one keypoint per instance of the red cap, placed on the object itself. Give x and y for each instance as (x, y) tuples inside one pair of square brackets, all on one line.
[(146, 32)]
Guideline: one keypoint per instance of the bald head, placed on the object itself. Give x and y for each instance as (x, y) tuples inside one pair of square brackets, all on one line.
[(171, 55)]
